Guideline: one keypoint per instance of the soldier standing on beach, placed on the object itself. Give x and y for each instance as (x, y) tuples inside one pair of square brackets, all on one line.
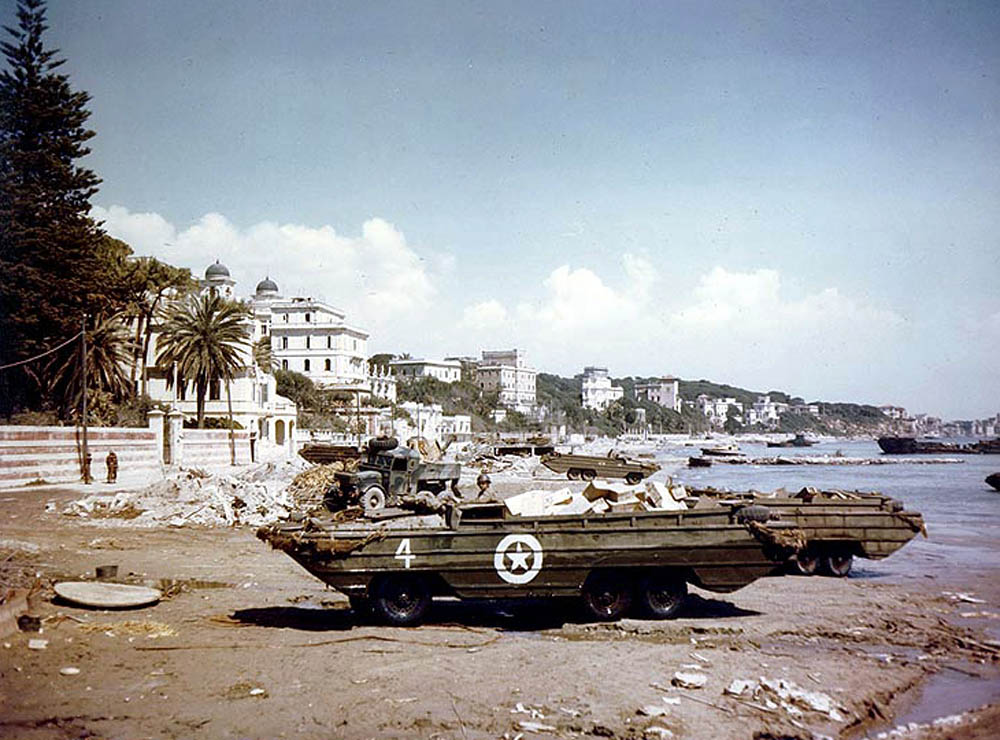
[(111, 461)]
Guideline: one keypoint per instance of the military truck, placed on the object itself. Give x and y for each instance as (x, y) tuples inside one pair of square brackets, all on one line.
[(395, 564), (388, 473), (589, 467)]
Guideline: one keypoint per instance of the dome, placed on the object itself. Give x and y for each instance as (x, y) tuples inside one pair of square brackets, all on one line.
[(216, 270), (267, 285)]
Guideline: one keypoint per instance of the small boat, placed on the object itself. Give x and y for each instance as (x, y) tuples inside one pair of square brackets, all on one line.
[(799, 440), (994, 480), (322, 453), (729, 450), (699, 462)]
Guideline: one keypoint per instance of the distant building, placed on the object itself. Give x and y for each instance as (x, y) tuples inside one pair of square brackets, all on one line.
[(767, 412), (804, 409), (664, 391), (506, 373), (717, 410), (893, 412), (447, 371), (596, 390)]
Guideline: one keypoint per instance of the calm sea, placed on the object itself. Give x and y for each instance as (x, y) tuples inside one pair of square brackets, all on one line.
[(962, 513)]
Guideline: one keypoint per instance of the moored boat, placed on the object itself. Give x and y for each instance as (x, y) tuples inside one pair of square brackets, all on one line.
[(914, 446), (589, 467), (994, 480)]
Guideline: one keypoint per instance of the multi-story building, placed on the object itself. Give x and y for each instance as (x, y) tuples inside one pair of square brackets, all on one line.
[(313, 338), (252, 394), (893, 412), (596, 390), (447, 371), (664, 391), (718, 409), (767, 412), (506, 373)]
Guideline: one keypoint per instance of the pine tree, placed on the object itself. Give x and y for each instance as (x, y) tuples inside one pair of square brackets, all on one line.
[(49, 246)]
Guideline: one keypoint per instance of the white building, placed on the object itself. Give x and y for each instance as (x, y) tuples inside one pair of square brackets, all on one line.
[(767, 412), (718, 409), (447, 371), (596, 390), (664, 391), (312, 338), (893, 412), (506, 373), (256, 405), (428, 421)]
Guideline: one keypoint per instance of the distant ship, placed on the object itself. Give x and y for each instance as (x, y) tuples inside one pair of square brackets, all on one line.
[(913, 446), (798, 441)]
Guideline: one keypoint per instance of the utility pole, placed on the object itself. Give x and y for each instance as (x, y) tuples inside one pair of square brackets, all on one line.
[(87, 475)]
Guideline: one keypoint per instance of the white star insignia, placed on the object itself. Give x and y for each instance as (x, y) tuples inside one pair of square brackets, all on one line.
[(519, 559)]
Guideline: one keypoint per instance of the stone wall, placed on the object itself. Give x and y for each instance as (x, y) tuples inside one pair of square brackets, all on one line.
[(209, 448), (55, 454)]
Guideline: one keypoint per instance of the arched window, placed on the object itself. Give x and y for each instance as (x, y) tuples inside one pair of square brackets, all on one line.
[(284, 364), (284, 342), (305, 365), (308, 318), (326, 364)]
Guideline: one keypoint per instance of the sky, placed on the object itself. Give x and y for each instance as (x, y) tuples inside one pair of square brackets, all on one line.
[(776, 195)]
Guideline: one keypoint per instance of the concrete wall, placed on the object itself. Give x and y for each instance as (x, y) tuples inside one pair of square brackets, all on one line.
[(54, 454), (207, 448)]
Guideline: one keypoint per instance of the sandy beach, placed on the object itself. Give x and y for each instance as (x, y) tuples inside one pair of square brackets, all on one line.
[(248, 644)]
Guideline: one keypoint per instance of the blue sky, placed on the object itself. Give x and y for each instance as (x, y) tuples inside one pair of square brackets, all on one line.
[(778, 195)]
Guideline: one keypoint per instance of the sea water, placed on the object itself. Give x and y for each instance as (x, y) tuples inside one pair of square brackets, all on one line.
[(961, 511)]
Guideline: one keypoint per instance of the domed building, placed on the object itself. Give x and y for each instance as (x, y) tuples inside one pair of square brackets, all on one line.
[(218, 280)]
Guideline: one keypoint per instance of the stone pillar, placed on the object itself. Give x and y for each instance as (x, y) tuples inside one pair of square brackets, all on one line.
[(175, 422), (154, 418)]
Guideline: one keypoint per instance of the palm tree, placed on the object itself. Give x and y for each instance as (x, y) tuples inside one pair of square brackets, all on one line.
[(108, 350), (263, 355), (203, 336)]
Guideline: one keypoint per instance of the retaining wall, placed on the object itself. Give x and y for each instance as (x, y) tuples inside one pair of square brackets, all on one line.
[(54, 454), (205, 448)]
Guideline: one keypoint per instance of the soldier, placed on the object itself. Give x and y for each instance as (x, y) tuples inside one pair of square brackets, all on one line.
[(86, 468), (483, 482), (111, 461)]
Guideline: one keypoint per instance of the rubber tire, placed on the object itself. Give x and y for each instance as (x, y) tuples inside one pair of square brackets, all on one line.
[(373, 498), (380, 444), (805, 563), (573, 474), (836, 564), (588, 475), (401, 601), (661, 595), (633, 478), (607, 597)]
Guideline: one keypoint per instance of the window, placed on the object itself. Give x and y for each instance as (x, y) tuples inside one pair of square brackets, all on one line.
[(308, 318), (284, 364), (305, 365), (284, 317), (284, 342), (326, 364), (213, 391), (329, 342), (307, 339)]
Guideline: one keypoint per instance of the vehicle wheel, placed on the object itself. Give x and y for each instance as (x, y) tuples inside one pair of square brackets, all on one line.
[(401, 601), (573, 474), (607, 596), (588, 474), (383, 443), (661, 595), (373, 498), (633, 478), (837, 564), (360, 605), (806, 563)]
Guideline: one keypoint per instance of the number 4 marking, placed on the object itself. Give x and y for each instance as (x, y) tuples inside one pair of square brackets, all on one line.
[(403, 553)]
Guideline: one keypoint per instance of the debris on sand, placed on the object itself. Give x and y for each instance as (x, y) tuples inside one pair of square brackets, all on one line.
[(192, 496), (130, 628), (780, 693)]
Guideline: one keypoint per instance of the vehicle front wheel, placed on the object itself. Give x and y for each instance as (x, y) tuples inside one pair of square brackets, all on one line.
[(401, 601), (837, 564), (373, 498), (633, 478), (661, 595), (588, 474), (607, 596), (573, 474), (806, 563)]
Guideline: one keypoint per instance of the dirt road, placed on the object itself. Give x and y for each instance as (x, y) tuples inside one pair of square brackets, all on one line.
[(250, 646)]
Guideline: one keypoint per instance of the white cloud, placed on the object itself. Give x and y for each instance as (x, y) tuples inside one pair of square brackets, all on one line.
[(483, 316), (377, 277)]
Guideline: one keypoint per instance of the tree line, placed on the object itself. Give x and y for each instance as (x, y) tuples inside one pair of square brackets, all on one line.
[(62, 274)]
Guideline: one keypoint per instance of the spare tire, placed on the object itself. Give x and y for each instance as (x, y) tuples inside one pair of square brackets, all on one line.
[(379, 444), (753, 513)]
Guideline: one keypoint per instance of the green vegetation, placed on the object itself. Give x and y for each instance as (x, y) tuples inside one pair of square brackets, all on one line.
[(462, 397)]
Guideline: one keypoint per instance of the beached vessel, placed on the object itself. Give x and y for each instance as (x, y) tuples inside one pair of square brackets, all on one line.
[(589, 467), (323, 453), (838, 525), (914, 446), (799, 440), (395, 565), (730, 450), (993, 479)]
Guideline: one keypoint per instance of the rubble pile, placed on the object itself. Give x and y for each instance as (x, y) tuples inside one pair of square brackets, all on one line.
[(195, 497), (599, 496), (308, 487)]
